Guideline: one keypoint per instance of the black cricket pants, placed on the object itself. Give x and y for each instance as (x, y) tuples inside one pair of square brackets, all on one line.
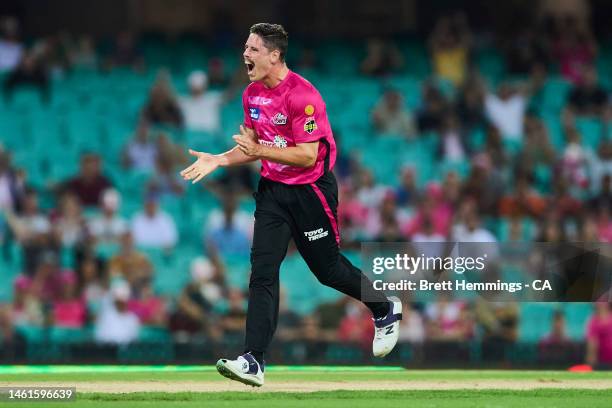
[(306, 212)]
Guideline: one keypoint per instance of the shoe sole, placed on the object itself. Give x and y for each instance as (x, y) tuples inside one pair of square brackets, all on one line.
[(226, 372)]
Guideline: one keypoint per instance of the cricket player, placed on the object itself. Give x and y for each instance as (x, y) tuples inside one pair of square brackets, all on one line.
[(286, 128)]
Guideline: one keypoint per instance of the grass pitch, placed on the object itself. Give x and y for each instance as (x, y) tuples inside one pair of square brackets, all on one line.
[(321, 387)]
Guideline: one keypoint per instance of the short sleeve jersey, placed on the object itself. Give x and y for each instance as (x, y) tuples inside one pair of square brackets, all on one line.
[(291, 113)]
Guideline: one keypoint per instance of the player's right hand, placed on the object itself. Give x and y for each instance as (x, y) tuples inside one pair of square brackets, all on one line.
[(204, 165)]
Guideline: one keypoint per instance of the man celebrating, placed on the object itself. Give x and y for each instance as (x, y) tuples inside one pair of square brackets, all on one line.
[(286, 127)]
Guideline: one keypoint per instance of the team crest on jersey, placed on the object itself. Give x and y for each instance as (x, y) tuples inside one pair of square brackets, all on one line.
[(280, 142), (310, 125), (279, 119), (254, 113), (259, 100), (309, 110)]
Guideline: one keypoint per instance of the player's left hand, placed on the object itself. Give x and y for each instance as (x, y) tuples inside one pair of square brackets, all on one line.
[(247, 141)]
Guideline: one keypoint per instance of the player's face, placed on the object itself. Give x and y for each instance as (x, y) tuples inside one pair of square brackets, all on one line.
[(257, 58)]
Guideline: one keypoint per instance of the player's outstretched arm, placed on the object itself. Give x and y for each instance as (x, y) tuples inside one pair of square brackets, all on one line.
[(206, 163)]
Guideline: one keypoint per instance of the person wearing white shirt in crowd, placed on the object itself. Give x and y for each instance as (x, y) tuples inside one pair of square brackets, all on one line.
[(506, 110), (108, 227), (141, 152), (471, 232), (201, 108), (11, 50), (154, 228), (115, 323)]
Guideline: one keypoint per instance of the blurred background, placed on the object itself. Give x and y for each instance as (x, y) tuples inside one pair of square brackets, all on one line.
[(479, 121)]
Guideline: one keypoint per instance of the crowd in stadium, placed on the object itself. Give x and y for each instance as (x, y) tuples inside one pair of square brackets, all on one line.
[(544, 193)]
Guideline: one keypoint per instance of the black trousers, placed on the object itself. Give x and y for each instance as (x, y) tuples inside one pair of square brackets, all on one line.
[(306, 212)]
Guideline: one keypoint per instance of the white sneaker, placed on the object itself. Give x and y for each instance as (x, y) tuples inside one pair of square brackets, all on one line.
[(387, 330), (244, 369)]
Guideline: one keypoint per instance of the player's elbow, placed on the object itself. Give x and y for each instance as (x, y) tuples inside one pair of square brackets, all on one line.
[(310, 160)]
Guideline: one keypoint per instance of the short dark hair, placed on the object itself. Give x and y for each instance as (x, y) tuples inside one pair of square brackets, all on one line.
[(274, 37)]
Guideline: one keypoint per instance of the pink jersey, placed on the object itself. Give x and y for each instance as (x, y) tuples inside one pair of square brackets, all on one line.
[(600, 331), (292, 112)]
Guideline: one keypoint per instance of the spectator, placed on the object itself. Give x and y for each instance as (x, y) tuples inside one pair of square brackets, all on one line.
[(574, 49), (453, 144), (574, 161), (447, 321), (150, 309), (499, 323), (537, 149), (234, 319), (126, 52), (83, 55), (46, 284), (11, 48), (201, 108), (92, 283), (525, 50), (599, 164), (154, 228), (506, 110), (108, 227), (412, 328), (407, 193), (449, 45), (557, 335), (162, 108), (196, 302), (369, 193), (470, 103), (484, 184), (172, 153), (90, 183), (116, 324), (588, 98), (165, 181), (525, 201), (129, 263), (352, 214), (11, 185), (598, 337), (26, 309), (604, 197), (289, 322), (69, 224), (69, 310), (229, 230), (390, 116), (387, 213), (356, 326), (328, 317), (432, 208), (32, 230), (141, 152), (382, 58), (429, 117), (31, 70)]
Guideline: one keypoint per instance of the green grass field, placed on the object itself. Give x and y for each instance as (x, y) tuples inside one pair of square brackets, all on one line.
[(320, 387)]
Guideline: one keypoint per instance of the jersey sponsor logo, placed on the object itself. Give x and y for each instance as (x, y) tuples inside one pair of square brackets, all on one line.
[(310, 125), (279, 119), (309, 110), (259, 100), (254, 112), (278, 141), (316, 234)]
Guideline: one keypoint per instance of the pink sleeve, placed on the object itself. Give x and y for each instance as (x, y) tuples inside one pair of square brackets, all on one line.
[(308, 117), (247, 114)]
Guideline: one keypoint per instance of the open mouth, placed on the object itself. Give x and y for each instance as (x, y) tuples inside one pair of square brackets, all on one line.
[(250, 66)]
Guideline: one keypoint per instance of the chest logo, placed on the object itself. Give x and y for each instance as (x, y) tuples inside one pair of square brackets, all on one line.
[(279, 119)]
